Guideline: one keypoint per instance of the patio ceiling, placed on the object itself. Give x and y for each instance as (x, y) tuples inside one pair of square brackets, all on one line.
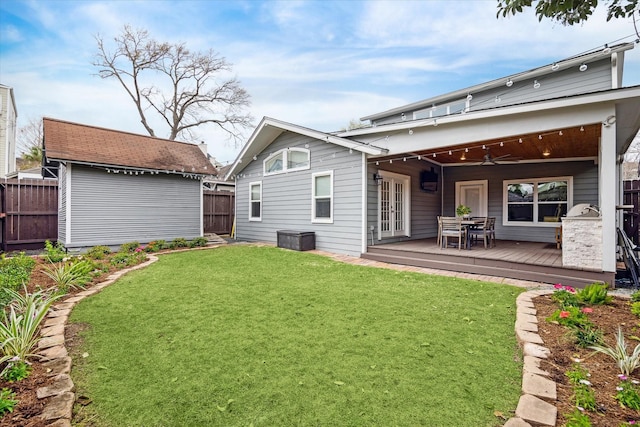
[(576, 142)]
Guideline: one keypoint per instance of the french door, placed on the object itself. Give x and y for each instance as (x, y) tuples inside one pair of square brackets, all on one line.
[(394, 209)]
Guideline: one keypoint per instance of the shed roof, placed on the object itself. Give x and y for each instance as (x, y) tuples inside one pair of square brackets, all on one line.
[(78, 143)]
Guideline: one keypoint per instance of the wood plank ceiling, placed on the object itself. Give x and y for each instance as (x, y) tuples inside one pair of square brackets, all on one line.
[(577, 142)]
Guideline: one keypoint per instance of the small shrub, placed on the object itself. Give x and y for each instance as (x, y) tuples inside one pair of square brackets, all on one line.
[(154, 246), (179, 242), (98, 252), (198, 242), (7, 401), (17, 371), (635, 297), (627, 394), (565, 296), (627, 363), (571, 316), (126, 259), (587, 336), (594, 294), (577, 419), (635, 308), (54, 253), (14, 272), (129, 246)]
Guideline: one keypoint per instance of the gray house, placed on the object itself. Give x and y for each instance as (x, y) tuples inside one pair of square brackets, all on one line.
[(524, 149), (117, 187)]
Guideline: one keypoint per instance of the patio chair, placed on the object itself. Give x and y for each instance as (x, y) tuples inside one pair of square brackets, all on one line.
[(486, 230), (452, 227)]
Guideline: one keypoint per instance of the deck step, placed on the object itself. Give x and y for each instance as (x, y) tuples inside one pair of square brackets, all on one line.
[(577, 278)]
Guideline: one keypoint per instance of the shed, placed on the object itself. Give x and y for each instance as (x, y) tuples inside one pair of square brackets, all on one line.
[(118, 187)]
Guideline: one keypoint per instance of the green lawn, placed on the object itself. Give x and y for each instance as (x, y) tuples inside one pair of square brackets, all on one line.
[(259, 336)]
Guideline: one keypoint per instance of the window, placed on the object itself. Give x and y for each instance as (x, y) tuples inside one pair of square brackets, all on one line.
[(540, 201), (287, 160), (255, 201), (322, 195)]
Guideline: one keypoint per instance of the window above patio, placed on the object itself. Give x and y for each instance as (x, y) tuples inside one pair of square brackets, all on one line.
[(537, 202)]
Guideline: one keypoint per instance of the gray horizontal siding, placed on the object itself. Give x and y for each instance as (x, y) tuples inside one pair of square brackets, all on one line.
[(286, 198), (585, 190), (554, 85), (111, 209)]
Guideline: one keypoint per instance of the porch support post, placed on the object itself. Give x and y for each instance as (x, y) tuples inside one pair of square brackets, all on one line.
[(608, 188), (363, 201)]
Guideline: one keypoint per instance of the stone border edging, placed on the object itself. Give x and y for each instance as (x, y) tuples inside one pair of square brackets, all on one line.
[(537, 402), (59, 409)]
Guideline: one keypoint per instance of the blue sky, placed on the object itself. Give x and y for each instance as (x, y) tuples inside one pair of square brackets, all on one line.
[(314, 63)]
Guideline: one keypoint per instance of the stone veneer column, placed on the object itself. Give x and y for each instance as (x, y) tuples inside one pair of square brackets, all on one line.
[(582, 242)]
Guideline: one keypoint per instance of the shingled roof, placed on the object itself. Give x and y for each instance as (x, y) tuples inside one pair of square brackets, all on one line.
[(73, 142)]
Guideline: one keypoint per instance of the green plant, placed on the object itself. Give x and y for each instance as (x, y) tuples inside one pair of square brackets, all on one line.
[(198, 242), (7, 401), (583, 394), (587, 335), (54, 253), (635, 297), (126, 259), (19, 327), (14, 272), (571, 316), (565, 296), (179, 242), (98, 252), (129, 246), (594, 294), (577, 419), (627, 394), (16, 371), (153, 246), (627, 363), (463, 210), (635, 308), (70, 274)]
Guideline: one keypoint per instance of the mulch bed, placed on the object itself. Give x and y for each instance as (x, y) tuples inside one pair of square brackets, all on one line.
[(602, 368)]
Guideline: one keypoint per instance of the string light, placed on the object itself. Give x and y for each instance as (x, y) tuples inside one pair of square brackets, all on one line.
[(555, 66), (536, 84), (509, 83), (583, 67), (452, 152)]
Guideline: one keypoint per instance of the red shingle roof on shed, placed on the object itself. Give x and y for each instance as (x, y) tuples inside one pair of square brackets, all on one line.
[(73, 142)]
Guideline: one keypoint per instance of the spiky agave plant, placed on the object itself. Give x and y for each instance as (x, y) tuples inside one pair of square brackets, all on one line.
[(627, 363)]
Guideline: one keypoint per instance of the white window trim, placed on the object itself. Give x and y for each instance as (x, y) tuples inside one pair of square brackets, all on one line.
[(285, 161), (253, 218), (535, 181), (315, 220)]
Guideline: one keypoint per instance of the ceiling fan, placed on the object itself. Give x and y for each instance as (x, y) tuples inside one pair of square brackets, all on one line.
[(490, 160)]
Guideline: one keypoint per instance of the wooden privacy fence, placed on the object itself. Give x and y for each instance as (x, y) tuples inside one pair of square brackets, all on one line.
[(631, 196), (218, 211), (29, 213)]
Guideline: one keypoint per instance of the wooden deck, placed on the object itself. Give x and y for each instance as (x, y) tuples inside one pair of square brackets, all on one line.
[(540, 262)]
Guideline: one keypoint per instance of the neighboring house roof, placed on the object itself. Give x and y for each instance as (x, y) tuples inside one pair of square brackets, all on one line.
[(269, 129), (78, 143), (500, 82)]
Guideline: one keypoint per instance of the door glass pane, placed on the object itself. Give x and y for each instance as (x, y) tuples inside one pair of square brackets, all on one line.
[(399, 207), (384, 206)]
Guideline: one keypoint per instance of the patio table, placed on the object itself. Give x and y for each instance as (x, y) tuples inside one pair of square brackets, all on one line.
[(468, 223)]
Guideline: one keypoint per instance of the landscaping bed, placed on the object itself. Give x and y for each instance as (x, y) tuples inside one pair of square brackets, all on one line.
[(600, 373)]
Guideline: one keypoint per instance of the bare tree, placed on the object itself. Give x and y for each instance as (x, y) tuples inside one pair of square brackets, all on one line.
[(29, 143), (198, 94)]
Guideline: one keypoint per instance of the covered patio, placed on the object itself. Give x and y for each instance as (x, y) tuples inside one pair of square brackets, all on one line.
[(534, 261)]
